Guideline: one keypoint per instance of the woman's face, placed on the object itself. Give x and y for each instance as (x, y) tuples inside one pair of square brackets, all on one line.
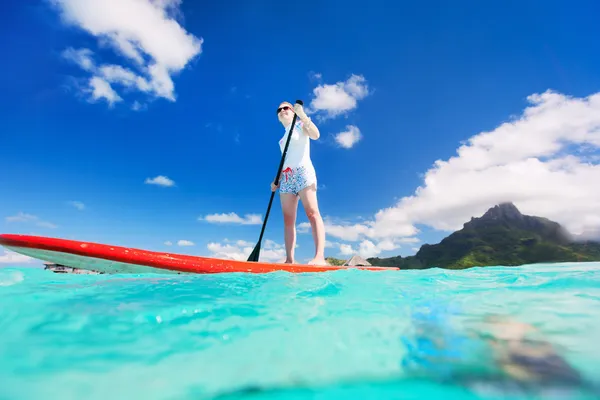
[(285, 113)]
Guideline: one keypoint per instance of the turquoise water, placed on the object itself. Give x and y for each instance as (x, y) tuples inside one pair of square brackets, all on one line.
[(346, 334)]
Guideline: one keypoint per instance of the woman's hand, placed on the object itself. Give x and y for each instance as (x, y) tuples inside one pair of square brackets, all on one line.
[(273, 187), (299, 110)]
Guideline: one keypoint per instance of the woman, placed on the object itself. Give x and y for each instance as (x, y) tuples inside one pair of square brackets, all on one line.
[(298, 180)]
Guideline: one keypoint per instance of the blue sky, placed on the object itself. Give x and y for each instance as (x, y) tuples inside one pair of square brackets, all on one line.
[(102, 97)]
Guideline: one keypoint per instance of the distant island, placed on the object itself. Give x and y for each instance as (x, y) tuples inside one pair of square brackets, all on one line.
[(502, 236)]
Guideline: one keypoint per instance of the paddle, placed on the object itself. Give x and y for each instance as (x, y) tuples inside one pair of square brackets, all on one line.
[(256, 252)]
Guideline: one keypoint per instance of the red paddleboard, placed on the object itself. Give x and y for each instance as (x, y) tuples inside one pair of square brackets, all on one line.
[(114, 259)]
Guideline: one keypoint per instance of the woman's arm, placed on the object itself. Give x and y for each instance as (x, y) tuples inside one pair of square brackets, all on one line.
[(308, 126)]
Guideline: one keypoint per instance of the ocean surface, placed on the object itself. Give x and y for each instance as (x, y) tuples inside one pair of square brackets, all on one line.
[(340, 335)]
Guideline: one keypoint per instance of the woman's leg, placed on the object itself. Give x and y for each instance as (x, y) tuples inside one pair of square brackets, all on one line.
[(308, 196), (289, 206)]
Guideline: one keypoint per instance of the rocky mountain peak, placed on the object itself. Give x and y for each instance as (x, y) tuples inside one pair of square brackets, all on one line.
[(503, 211)]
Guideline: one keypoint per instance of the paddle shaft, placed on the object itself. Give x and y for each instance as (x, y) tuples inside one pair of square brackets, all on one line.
[(256, 251)]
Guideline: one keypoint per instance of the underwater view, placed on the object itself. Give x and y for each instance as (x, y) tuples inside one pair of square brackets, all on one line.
[(494, 332)]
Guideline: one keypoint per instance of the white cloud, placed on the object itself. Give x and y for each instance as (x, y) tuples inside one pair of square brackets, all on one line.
[(543, 162), (101, 89), (168, 243), (407, 240), (81, 57), (160, 180), (21, 217), (240, 243), (10, 257), (268, 244), (126, 77), (366, 248), (78, 205), (240, 250), (339, 98), (185, 243), (137, 106), (146, 33), (315, 76), (233, 218), (349, 137), (28, 218), (303, 227), (346, 232), (346, 249)]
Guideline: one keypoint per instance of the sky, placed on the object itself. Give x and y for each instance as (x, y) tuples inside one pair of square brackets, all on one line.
[(151, 123)]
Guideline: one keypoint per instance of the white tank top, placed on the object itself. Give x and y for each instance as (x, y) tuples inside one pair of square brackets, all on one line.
[(298, 153)]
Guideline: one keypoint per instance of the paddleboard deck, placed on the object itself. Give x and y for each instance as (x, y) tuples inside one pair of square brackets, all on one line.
[(111, 259)]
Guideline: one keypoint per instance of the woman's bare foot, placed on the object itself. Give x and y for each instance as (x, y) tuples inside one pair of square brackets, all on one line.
[(318, 261)]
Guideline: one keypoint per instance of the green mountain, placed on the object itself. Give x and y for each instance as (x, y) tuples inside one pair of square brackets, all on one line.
[(502, 236)]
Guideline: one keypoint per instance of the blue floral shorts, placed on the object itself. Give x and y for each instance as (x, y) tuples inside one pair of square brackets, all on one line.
[(296, 179)]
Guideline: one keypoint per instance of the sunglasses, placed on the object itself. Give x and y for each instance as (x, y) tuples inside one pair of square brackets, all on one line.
[(283, 108)]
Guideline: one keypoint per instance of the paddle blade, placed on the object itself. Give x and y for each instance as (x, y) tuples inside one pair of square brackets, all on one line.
[(255, 253)]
